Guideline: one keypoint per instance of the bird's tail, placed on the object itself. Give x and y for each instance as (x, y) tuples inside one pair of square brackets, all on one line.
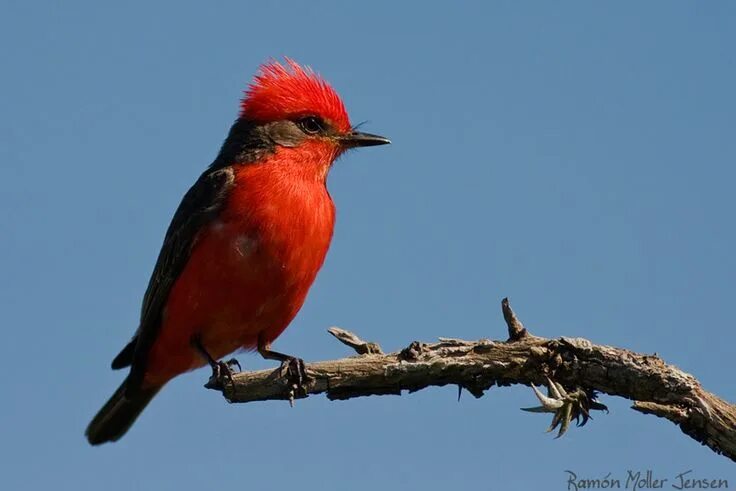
[(118, 414)]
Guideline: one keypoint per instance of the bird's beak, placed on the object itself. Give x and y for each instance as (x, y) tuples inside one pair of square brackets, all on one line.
[(357, 139)]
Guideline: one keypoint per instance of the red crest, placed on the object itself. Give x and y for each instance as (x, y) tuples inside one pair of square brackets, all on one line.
[(290, 91)]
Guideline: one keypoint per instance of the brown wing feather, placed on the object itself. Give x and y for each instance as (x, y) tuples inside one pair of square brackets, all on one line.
[(199, 206)]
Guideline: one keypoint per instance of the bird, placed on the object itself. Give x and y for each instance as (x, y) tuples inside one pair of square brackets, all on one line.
[(245, 244)]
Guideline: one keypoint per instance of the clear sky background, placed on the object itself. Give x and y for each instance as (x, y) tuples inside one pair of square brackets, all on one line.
[(577, 157)]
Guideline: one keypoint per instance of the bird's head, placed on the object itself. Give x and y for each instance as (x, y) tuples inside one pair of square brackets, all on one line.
[(295, 108)]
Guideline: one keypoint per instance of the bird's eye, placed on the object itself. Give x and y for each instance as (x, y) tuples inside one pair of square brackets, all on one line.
[(311, 125)]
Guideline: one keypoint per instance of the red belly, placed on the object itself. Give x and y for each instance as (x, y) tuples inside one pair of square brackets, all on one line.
[(228, 300), (249, 271), (235, 289)]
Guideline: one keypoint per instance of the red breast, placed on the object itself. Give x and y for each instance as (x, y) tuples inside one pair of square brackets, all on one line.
[(251, 269)]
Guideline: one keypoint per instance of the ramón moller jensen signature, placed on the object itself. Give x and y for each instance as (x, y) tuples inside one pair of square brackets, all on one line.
[(646, 479)]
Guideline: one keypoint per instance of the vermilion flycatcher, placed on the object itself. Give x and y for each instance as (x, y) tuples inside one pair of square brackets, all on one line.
[(245, 244)]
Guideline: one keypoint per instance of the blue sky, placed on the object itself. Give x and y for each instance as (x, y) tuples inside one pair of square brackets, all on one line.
[(577, 157)]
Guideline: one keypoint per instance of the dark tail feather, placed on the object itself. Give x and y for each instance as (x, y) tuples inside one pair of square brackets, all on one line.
[(118, 414)]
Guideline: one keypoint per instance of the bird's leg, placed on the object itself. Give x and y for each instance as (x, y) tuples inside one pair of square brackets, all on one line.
[(291, 367), (565, 405), (222, 371)]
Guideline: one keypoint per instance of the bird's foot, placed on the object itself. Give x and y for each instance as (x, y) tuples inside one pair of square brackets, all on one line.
[(222, 371), (566, 406), (222, 374), (293, 371)]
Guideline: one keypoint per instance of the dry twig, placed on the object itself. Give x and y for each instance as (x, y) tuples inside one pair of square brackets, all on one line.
[(575, 363)]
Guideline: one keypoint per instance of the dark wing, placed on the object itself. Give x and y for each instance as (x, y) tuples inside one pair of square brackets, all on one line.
[(199, 206)]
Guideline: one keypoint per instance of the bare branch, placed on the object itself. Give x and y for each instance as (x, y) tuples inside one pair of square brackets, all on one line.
[(575, 363)]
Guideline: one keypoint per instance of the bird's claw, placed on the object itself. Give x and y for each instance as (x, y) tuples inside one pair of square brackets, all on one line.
[(232, 363), (565, 406), (222, 374), (295, 375)]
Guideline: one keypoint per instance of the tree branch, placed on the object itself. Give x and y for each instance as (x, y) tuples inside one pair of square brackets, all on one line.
[(654, 386)]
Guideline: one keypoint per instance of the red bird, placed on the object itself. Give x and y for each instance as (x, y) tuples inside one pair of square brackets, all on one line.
[(245, 244)]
